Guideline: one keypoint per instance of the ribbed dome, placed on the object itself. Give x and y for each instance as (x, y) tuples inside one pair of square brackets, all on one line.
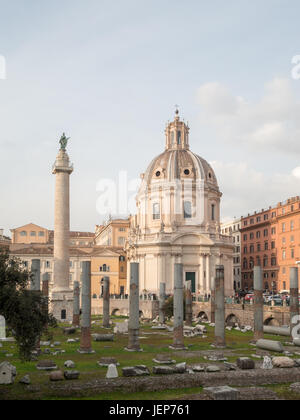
[(179, 164)]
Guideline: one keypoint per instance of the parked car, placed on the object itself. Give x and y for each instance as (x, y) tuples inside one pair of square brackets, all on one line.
[(249, 297)]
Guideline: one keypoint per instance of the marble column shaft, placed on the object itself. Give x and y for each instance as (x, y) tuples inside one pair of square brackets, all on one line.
[(76, 304), (35, 282), (134, 309), (178, 307), (220, 307), (162, 298), (258, 304), (294, 295), (85, 342), (106, 318), (188, 304)]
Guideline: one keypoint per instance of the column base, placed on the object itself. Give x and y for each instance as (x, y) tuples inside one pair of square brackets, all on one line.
[(178, 347), (76, 321), (137, 349), (218, 346), (257, 337), (86, 351)]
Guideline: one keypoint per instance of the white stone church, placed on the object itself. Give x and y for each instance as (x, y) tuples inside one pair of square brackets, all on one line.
[(178, 220)]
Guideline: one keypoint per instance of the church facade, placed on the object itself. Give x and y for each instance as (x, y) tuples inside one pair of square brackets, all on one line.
[(178, 220)]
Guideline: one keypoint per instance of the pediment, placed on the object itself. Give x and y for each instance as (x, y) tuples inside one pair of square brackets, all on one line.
[(105, 253)]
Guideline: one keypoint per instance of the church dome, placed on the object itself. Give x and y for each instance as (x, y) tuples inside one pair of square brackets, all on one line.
[(177, 162), (179, 189)]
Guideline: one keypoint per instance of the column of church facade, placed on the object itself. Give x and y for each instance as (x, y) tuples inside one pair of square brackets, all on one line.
[(201, 275), (212, 271), (207, 276)]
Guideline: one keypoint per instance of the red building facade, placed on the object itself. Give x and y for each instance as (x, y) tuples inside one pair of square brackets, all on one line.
[(258, 247)]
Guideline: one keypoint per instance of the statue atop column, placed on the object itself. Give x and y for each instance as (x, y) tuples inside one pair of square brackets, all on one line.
[(63, 142)]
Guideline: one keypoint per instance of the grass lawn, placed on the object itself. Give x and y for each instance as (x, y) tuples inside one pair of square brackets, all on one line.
[(155, 342)]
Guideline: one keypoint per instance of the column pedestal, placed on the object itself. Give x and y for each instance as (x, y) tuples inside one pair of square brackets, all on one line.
[(62, 306)]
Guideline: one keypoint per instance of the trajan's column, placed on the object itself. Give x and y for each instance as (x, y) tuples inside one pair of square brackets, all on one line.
[(62, 295)]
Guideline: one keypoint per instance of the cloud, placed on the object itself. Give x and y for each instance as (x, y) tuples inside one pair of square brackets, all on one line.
[(296, 172), (270, 123), (246, 190)]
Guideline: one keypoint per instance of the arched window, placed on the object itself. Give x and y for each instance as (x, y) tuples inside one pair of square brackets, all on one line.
[(245, 263), (187, 209), (179, 137), (172, 137), (156, 211), (213, 212)]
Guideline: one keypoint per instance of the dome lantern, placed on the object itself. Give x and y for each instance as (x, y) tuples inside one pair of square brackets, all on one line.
[(177, 134)]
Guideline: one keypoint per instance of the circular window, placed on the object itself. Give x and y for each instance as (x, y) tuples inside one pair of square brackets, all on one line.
[(187, 172), (158, 173)]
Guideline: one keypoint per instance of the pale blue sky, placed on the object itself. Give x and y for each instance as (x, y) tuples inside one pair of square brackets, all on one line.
[(109, 74)]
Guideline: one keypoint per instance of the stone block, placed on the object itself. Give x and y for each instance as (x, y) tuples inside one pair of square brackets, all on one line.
[(267, 363), (103, 337), (222, 393), (69, 330), (135, 371), (25, 380), (198, 368), (69, 364), (71, 375), (283, 331), (296, 342), (163, 370), (164, 359), (230, 366), (8, 373), (121, 328), (212, 369), (245, 363), (270, 345), (295, 387), (112, 372), (106, 361), (56, 376), (180, 368), (283, 362), (46, 365)]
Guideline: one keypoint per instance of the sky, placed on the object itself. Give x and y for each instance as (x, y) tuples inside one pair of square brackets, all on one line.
[(109, 73)]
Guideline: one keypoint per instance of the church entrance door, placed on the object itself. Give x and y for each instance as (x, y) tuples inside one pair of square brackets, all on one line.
[(191, 277)]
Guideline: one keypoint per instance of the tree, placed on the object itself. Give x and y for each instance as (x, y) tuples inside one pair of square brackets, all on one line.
[(25, 311), (168, 307)]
